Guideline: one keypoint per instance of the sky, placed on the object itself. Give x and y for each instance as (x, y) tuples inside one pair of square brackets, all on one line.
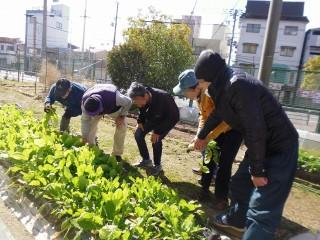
[(101, 15)]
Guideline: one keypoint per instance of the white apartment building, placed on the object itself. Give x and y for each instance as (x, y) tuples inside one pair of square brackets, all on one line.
[(8, 51), (312, 44), (289, 45), (216, 42), (57, 29)]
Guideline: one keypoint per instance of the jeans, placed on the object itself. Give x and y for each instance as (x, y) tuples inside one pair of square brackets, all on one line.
[(229, 144), (260, 209), (142, 145)]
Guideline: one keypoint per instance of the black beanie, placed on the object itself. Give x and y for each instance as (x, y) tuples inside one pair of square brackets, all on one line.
[(209, 65), (91, 104)]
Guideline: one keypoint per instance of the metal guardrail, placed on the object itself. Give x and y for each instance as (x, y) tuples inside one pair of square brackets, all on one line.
[(306, 116)]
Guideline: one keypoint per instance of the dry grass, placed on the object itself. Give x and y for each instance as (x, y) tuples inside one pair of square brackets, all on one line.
[(49, 73)]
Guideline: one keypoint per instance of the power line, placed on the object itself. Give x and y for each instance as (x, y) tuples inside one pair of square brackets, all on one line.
[(225, 19)]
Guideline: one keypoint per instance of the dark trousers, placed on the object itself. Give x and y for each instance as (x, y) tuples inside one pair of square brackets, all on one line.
[(229, 144), (65, 122), (260, 209), (141, 142)]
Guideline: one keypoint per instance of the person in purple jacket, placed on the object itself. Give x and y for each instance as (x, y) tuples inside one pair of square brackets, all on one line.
[(100, 100)]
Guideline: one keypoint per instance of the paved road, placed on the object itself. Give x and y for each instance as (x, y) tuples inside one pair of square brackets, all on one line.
[(10, 227)]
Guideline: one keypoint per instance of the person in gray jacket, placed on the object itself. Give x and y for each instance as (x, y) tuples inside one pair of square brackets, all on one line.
[(100, 100)]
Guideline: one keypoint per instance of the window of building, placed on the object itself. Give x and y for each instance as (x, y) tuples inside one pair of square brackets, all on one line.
[(59, 25), (291, 30), (2, 47), (250, 48), (10, 48), (287, 51), (3, 61), (317, 32), (253, 28), (315, 48), (32, 19)]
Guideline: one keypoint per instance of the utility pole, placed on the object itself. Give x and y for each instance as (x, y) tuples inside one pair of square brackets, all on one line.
[(18, 50), (34, 40), (84, 32), (44, 41), (235, 15), (270, 41), (115, 25), (25, 66), (44, 30)]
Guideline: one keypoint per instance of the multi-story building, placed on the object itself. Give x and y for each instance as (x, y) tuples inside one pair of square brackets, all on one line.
[(9, 51), (57, 31), (216, 42), (289, 44), (194, 23), (311, 45)]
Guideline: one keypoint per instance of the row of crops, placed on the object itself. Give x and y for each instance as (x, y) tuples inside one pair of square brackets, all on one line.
[(309, 162), (88, 191)]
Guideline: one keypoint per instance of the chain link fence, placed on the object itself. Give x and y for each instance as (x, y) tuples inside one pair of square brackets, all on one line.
[(76, 66), (301, 104)]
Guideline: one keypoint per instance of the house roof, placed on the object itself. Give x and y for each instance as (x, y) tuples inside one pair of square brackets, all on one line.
[(9, 40), (70, 45), (291, 11)]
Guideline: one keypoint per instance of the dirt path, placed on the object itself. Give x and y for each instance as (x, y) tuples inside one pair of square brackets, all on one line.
[(301, 212), (10, 225)]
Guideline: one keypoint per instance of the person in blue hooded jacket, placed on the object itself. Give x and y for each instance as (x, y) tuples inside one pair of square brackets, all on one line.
[(69, 94)]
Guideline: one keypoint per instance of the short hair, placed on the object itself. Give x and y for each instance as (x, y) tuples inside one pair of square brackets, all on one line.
[(62, 86), (137, 90)]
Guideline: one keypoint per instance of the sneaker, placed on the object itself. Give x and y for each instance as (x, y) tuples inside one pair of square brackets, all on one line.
[(214, 236), (197, 171), (221, 222), (143, 163), (156, 170), (118, 158)]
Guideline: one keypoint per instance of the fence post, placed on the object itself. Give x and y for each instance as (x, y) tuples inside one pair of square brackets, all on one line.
[(318, 125)]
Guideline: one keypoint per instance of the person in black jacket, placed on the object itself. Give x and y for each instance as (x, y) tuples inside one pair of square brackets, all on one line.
[(263, 181), (159, 114)]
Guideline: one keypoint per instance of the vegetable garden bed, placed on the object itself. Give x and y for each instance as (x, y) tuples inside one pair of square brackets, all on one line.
[(309, 167), (89, 191)]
